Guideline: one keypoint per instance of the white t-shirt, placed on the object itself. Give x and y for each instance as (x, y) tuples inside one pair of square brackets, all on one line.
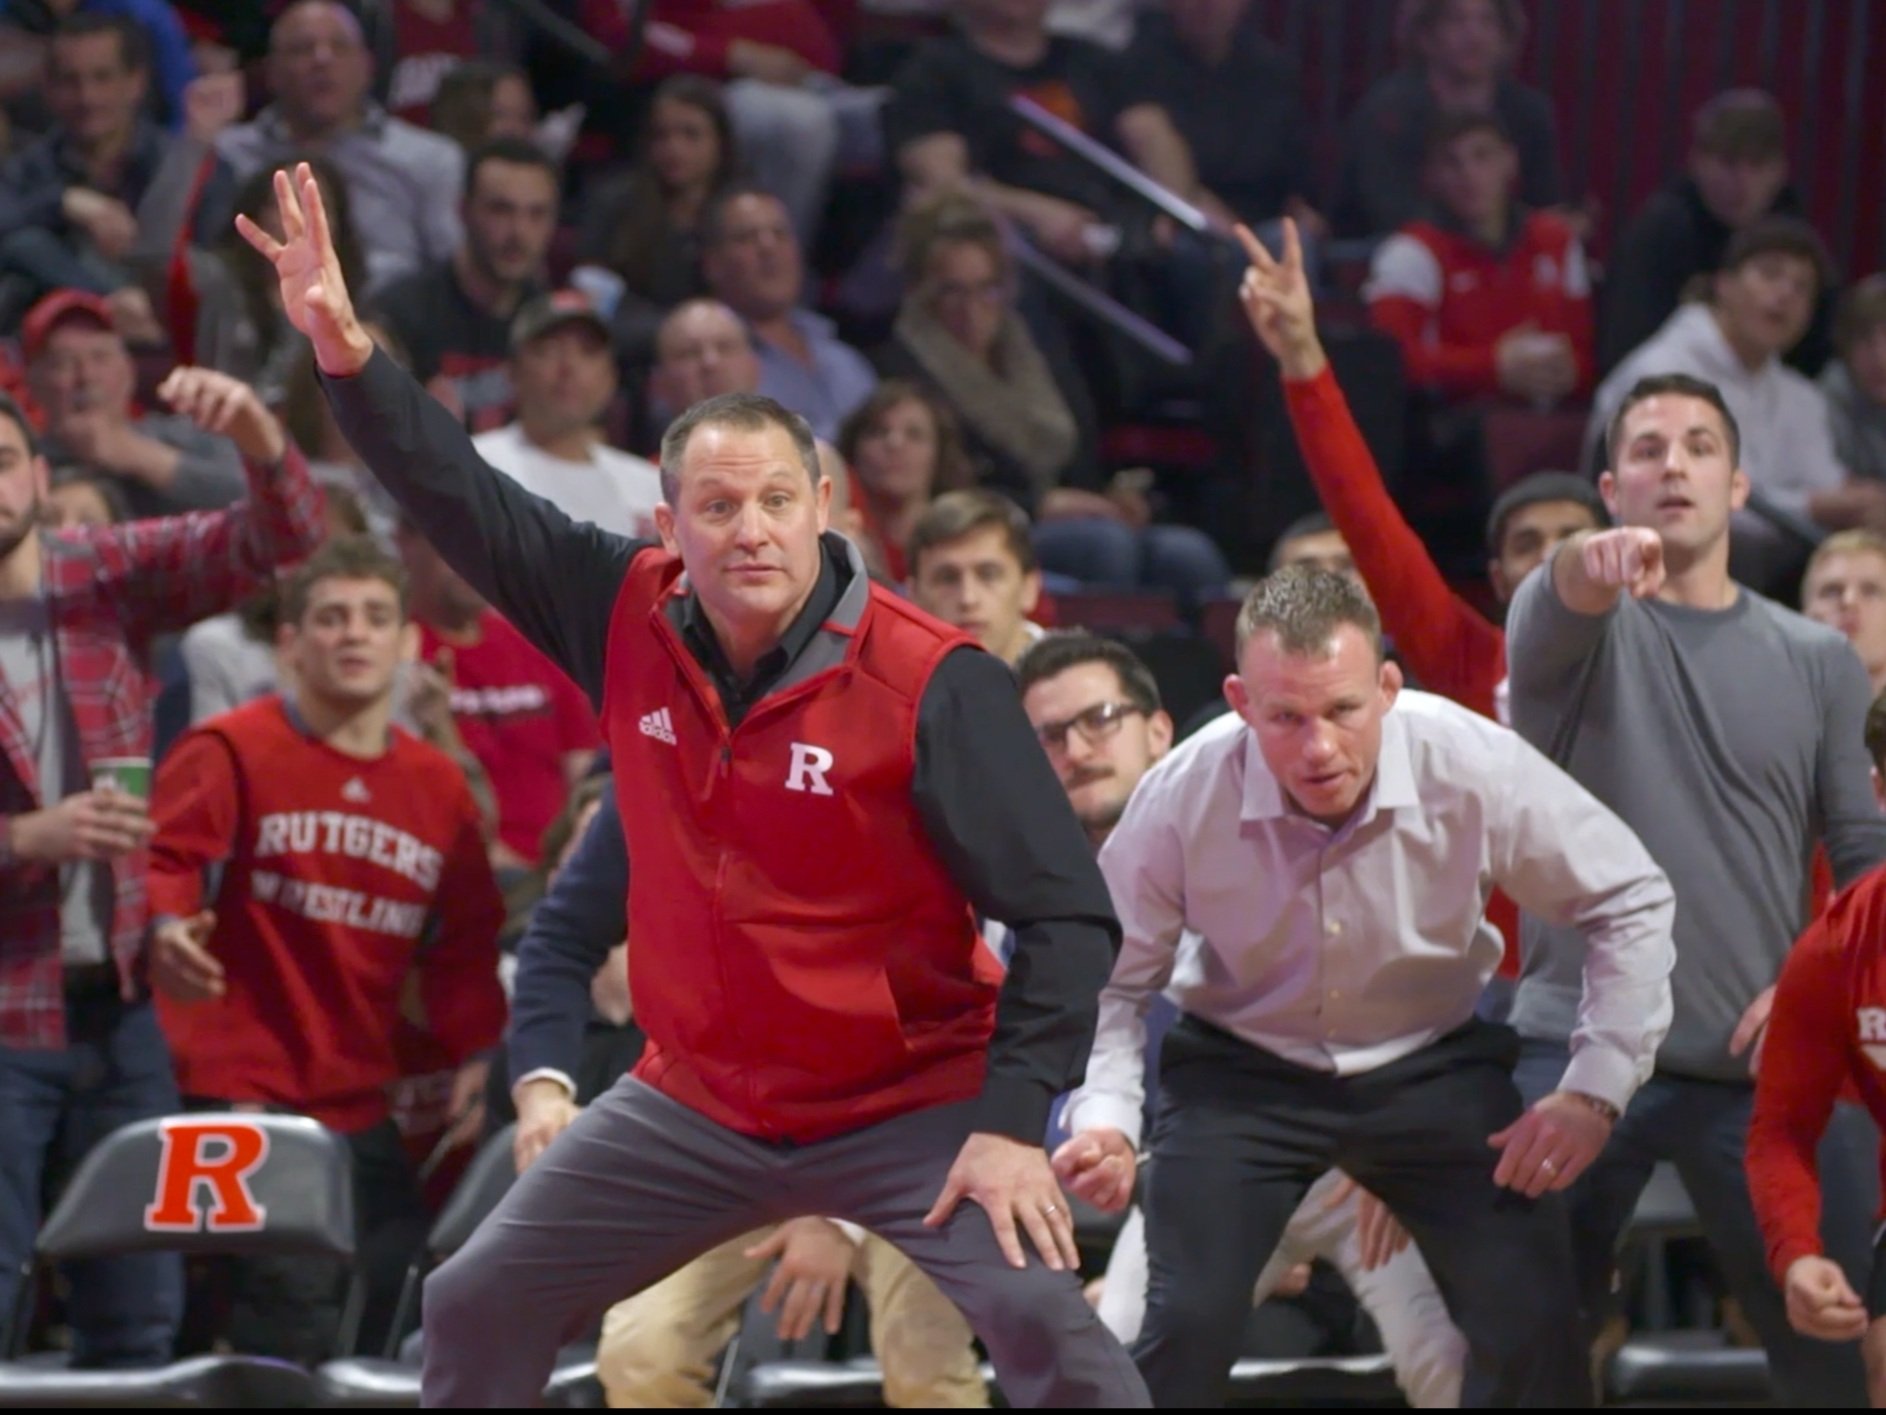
[(615, 490)]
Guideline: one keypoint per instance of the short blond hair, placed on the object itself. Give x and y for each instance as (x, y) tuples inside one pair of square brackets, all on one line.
[(1859, 541)]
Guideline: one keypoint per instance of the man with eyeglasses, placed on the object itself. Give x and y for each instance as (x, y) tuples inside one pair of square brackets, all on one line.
[(1095, 707)]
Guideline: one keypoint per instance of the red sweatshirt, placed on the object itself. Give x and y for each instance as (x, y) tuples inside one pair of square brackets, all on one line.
[(1448, 644), (340, 877), (694, 36), (1447, 299), (1826, 1037), (521, 716)]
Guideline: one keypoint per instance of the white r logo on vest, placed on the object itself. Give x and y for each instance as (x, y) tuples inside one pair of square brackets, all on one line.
[(807, 772), (1872, 1034)]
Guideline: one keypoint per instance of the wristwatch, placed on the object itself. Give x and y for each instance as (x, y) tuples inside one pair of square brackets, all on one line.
[(1597, 1103)]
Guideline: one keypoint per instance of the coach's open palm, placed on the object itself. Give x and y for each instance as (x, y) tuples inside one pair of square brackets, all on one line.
[(314, 293)]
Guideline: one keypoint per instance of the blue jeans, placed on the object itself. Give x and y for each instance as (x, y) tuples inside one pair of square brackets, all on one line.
[(54, 1106), (1104, 554), (1702, 1128)]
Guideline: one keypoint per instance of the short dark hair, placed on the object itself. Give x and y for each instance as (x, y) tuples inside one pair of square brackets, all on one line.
[(1054, 654), (355, 557), (15, 414), (1779, 235), (1862, 310), (1876, 733), (1684, 385), (1535, 489), (1740, 123), (714, 214), (957, 514), (1304, 606), (134, 46), (1417, 17), (518, 152), (1317, 523), (1451, 125), (741, 412)]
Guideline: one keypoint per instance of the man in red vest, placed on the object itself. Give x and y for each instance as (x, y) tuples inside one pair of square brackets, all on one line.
[(821, 787)]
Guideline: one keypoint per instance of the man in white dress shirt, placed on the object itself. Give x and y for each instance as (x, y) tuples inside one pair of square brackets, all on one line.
[(1334, 858), (1095, 707), (564, 373)]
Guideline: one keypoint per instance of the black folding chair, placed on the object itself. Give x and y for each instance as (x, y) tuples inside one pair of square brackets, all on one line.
[(388, 1381), (234, 1185)]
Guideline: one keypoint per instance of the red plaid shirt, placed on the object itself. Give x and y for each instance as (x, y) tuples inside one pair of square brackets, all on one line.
[(110, 591)]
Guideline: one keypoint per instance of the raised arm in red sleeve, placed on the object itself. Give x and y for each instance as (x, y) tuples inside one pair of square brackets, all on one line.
[(1804, 1064), (194, 805), (1449, 644), (458, 970)]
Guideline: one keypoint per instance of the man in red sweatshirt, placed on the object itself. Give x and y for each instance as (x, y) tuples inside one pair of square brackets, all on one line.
[(1486, 299), (353, 882), (796, 121), (1826, 1041)]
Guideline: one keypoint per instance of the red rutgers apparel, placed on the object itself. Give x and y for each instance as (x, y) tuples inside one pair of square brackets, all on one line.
[(812, 966), (339, 878), (520, 715), (1826, 1040)]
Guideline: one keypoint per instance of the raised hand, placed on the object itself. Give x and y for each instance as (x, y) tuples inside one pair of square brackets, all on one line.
[(218, 403), (308, 269), (1276, 298)]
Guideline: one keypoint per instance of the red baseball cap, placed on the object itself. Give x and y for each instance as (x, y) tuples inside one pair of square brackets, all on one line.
[(54, 310)]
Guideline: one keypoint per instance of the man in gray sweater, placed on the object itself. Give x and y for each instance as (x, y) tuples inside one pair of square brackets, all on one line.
[(1727, 732)]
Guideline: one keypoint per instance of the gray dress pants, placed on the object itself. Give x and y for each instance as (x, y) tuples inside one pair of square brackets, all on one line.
[(639, 1185)]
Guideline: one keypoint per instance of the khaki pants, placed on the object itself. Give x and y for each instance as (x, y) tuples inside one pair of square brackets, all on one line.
[(659, 1347)]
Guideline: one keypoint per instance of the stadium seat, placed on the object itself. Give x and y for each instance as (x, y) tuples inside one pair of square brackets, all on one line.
[(859, 1385), (1521, 441), (206, 1184), (388, 1381), (1695, 1368), (1117, 611)]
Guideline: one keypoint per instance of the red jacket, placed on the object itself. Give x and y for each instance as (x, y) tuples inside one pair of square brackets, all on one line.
[(341, 876), (1446, 642), (694, 36), (1826, 1039), (804, 964), (1447, 300)]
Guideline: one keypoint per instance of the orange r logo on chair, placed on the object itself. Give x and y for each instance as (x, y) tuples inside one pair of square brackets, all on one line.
[(220, 1154)]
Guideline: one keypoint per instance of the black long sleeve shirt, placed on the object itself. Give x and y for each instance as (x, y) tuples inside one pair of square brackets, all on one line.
[(995, 813)]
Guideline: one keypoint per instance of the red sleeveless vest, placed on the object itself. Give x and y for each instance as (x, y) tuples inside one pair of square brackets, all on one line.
[(800, 958)]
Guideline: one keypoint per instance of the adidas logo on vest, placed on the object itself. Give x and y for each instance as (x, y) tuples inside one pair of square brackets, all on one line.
[(659, 725)]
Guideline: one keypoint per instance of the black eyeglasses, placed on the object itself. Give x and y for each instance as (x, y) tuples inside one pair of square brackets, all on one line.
[(1095, 725)]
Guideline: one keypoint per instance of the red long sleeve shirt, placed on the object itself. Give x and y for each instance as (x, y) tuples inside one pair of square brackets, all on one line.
[(1826, 1036), (1448, 299), (340, 877), (1449, 644)]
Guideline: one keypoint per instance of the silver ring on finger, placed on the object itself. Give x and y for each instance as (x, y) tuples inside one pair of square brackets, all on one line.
[(1050, 1210), (1548, 1166)]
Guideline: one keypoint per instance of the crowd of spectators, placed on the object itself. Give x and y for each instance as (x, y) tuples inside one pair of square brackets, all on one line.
[(829, 202)]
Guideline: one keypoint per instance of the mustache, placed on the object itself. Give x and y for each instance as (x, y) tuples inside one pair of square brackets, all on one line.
[(1087, 775)]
